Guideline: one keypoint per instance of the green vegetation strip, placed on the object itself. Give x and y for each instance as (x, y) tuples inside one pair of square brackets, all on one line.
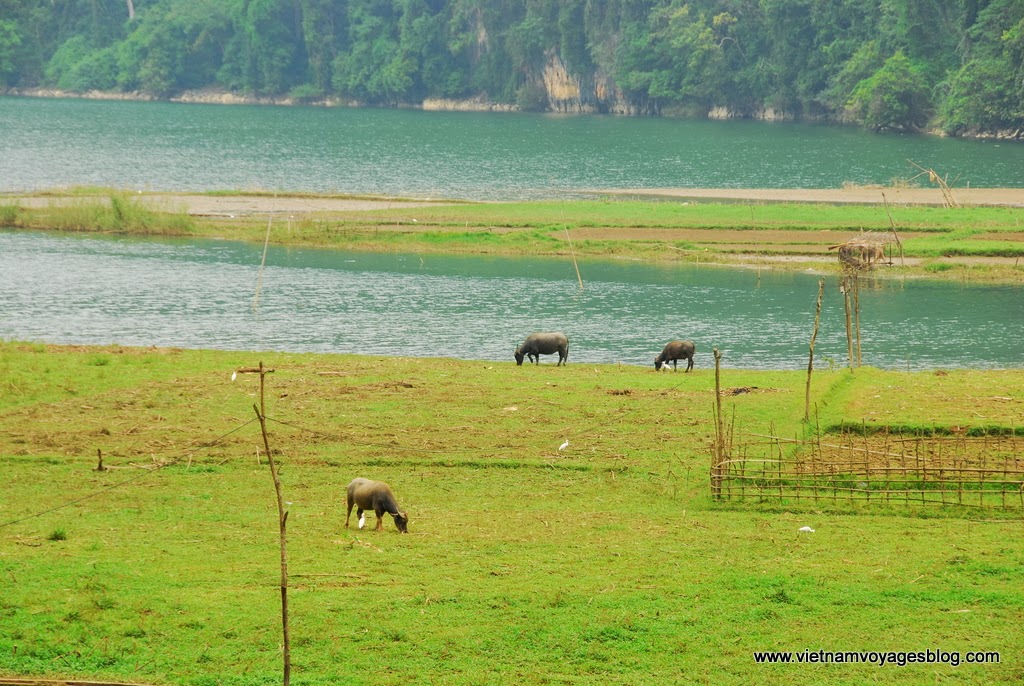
[(605, 562), (963, 244)]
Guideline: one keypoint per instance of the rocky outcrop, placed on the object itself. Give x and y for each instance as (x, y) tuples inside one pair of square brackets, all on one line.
[(478, 104), (766, 114), (86, 95), (563, 88), (569, 93)]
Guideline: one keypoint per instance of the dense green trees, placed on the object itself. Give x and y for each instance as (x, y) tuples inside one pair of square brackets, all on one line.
[(885, 64)]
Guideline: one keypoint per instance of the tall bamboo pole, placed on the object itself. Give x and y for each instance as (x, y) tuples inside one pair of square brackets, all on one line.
[(845, 285), (282, 519), (856, 312), (810, 357)]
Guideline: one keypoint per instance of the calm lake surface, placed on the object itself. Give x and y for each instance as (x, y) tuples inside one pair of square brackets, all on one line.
[(47, 143), (200, 294)]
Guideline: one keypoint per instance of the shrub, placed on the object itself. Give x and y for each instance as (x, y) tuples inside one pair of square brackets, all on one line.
[(9, 215), (306, 93)]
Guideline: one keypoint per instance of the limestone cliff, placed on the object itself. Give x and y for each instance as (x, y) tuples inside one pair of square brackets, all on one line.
[(571, 93)]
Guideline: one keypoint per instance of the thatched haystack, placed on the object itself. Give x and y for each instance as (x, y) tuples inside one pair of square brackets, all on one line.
[(864, 251)]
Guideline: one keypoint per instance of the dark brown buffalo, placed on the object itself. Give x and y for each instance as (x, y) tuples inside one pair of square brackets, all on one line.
[(675, 351), (537, 344), (376, 496)]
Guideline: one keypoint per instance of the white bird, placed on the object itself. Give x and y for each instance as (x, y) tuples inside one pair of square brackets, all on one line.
[(806, 530), (362, 521), (563, 446), (234, 375)]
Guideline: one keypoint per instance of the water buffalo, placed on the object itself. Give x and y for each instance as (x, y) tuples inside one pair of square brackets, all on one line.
[(675, 351), (376, 496), (537, 344)]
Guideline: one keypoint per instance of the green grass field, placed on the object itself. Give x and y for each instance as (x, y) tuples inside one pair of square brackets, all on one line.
[(605, 563)]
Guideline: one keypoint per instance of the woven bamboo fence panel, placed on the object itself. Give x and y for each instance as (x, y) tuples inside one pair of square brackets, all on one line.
[(965, 471)]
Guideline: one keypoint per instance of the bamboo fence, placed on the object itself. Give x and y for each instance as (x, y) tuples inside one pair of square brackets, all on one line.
[(967, 471)]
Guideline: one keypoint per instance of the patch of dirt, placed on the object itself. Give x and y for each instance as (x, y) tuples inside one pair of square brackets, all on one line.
[(1010, 237), (726, 237), (863, 195)]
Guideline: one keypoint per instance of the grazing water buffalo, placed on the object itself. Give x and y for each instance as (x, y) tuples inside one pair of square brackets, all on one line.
[(537, 344), (675, 351), (376, 496)]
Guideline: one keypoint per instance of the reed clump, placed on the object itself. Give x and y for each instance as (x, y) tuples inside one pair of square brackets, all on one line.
[(9, 215), (119, 214)]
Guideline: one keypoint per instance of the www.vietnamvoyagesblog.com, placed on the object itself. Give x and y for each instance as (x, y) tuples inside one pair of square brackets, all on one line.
[(881, 658)]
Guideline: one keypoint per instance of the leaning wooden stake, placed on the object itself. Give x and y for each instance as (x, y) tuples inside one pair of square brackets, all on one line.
[(573, 252), (263, 263), (810, 358), (933, 176), (282, 518)]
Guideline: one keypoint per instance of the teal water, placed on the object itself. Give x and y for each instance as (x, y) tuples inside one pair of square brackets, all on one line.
[(46, 143), (200, 294)]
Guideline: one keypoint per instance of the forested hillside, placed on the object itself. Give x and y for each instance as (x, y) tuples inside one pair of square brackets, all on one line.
[(903, 64)]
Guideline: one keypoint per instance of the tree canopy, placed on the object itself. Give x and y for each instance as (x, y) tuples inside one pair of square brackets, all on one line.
[(885, 64)]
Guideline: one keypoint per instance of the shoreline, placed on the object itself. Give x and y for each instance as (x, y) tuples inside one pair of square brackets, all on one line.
[(213, 96), (201, 204)]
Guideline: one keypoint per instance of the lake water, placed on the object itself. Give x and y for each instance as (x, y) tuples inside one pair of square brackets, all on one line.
[(46, 143), (200, 294), (196, 294)]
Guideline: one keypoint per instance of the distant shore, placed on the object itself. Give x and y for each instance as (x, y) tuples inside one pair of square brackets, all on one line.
[(213, 96), (216, 96)]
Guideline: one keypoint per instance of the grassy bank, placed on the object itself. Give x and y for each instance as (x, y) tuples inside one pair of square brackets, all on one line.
[(969, 243), (603, 563)]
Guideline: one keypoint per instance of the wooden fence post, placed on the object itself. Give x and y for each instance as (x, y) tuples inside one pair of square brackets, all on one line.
[(845, 287)]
